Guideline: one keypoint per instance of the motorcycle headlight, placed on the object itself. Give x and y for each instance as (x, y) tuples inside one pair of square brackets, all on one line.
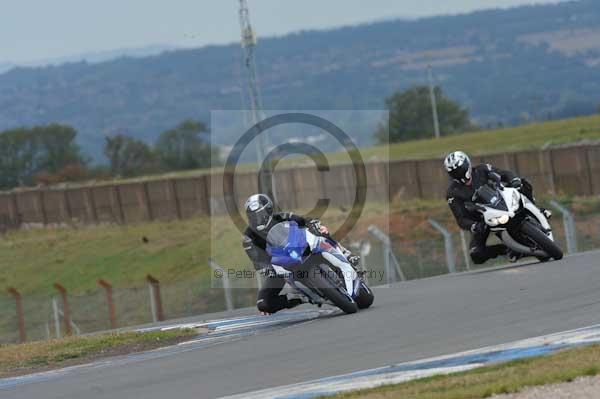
[(499, 220)]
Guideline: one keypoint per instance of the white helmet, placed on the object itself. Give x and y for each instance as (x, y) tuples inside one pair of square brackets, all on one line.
[(458, 166)]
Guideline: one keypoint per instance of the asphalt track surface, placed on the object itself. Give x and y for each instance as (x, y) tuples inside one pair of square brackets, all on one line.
[(409, 321)]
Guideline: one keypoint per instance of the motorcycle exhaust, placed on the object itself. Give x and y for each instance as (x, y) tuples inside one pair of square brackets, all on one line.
[(520, 248)]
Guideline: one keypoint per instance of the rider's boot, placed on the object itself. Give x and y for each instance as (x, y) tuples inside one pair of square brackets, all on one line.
[(513, 256)]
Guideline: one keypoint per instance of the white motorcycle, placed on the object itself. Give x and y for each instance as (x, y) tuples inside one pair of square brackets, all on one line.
[(516, 221), (316, 268)]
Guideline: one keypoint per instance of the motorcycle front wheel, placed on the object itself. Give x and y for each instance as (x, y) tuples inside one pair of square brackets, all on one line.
[(365, 296), (328, 284), (542, 240)]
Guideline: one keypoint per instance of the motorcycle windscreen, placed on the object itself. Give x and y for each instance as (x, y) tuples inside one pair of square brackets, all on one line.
[(286, 243), (491, 197)]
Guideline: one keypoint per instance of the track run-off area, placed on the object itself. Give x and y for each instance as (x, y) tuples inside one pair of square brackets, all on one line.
[(435, 321)]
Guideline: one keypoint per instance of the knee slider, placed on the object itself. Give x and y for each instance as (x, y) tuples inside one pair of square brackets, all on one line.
[(263, 306), (478, 257)]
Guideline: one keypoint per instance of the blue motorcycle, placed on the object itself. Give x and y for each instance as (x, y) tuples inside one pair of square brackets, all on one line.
[(316, 267)]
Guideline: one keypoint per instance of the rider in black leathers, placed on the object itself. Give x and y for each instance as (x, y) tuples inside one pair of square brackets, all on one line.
[(465, 180), (261, 218)]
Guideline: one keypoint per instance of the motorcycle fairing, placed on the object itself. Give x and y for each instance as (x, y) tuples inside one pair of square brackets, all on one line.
[(289, 246), (286, 244)]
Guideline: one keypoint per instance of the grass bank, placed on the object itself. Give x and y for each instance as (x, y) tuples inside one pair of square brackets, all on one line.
[(520, 138), (485, 382), (33, 260), (18, 359)]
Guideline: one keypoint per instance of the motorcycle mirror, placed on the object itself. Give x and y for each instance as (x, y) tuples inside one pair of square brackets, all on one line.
[(496, 177)]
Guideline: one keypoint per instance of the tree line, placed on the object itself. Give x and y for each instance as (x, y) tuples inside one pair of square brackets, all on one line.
[(44, 155), (411, 116), (49, 154)]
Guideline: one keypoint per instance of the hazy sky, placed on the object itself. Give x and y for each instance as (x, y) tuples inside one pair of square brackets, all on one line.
[(45, 29)]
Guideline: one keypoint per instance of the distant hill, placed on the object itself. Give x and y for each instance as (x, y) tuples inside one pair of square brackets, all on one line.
[(507, 66), (93, 57)]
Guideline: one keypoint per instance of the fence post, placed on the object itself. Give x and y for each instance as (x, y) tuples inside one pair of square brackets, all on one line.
[(42, 207), (155, 299), (465, 249), (13, 209), (202, 193), (20, 314), (66, 309), (117, 203), (570, 229), (90, 204), (388, 254), (448, 245), (56, 318), (225, 279), (143, 197), (174, 197), (66, 207), (112, 314)]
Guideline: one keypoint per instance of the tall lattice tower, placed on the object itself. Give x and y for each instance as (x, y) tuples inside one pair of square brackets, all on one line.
[(248, 46), (249, 66)]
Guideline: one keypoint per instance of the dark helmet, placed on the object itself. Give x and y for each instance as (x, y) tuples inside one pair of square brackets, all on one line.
[(458, 166), (259, 209)]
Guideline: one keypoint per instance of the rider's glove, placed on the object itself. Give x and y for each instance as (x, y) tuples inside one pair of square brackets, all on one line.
[(314, 226), (478, 227), (516, 183), (267, 271)]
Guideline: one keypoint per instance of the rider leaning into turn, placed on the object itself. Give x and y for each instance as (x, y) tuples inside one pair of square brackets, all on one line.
[(261, 218), (465, 180)]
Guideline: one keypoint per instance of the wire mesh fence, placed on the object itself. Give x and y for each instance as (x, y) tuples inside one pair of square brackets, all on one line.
[(428, 258), (45, 317)]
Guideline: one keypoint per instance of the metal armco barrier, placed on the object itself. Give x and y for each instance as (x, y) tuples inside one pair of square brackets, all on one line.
[(448, 245), (388, 255), (569, 225)]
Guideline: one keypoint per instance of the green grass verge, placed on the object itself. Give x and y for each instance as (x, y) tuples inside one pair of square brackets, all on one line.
[(33, 260), (520, 138), (22, 358), (485, 382)]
